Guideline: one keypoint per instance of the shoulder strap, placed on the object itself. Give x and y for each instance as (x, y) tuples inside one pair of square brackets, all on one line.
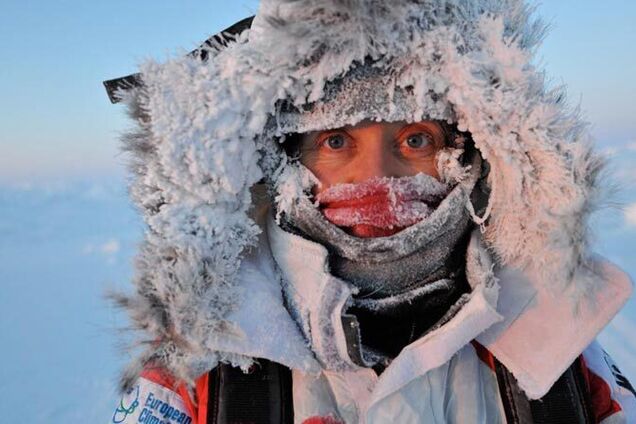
[(567, 402), (263, 395)]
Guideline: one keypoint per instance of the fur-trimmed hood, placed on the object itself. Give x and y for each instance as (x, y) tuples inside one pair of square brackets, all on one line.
[(207, 134)]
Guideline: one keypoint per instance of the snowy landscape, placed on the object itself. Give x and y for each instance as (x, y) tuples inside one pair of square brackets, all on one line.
[(64, 245)]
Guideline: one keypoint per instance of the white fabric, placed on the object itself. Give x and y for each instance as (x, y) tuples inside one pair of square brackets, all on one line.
[(462, 390), (600, 363), (417, 369), (436, 379), (618, 418), (317, 297), (149, 402), (542, 333)]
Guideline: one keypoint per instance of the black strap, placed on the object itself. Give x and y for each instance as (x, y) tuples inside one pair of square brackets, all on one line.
[(567, 402), (264, 396), (261, 396), (213, 44), (515, 403)]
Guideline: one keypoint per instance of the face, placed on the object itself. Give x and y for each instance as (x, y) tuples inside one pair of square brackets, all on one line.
[(372, 149), (356, 154)]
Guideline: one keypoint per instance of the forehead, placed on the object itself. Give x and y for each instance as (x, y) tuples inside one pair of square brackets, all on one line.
[(379, 126)]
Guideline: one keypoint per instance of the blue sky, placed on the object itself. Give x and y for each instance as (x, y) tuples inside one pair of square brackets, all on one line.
[(55, 120)]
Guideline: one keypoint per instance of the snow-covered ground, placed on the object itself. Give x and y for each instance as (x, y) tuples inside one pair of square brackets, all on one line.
[(62, 246)]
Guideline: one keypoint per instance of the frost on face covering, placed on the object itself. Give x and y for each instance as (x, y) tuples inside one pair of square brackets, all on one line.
[(365, 260), (382, 206)]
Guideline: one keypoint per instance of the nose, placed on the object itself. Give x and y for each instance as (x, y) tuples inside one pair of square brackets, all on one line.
[(375, 160), (374, 166)]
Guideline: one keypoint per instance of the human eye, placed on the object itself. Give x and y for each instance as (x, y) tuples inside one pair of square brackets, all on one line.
[(419, 140), (333, 141)]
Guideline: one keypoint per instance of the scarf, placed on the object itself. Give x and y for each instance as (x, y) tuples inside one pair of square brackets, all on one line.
[(408, 283)]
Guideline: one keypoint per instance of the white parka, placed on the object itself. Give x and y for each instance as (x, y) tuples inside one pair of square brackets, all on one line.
[(444, 377), (207, 282)]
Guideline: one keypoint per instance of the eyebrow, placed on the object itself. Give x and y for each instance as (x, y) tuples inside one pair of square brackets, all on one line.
[(433, 126), (436, 129), (315, 134)]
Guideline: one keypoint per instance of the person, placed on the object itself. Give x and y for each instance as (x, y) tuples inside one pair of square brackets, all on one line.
[(367, 212)]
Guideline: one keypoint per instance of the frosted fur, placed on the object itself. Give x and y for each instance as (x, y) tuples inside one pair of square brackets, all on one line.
[(207, 134), (186, 263), (449, 166)]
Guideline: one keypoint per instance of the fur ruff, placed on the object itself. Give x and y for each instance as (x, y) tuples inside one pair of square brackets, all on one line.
[(204, 139)]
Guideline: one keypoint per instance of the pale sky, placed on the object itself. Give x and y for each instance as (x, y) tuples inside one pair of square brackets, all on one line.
[(56, 121)]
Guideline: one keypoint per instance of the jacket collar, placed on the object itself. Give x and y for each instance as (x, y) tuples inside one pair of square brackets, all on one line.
[(536, 333), (543, 332), (317, 299)]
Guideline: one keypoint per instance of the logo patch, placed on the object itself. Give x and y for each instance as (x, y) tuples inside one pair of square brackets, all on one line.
[(150, 403), (126, 406)]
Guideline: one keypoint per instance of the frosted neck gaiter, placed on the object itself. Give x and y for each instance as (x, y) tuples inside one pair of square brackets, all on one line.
[(407, 281), (435, 217), (381, 207)]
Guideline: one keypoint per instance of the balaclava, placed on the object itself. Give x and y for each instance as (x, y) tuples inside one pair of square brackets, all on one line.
[(407, 281)]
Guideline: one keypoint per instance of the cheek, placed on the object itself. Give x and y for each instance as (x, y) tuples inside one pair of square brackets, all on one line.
[(327, 178), (428, 167), (328, 172), (406, 166)]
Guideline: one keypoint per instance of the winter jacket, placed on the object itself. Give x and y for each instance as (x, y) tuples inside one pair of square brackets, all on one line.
[(608, 398), (453, 374), (211, 268)]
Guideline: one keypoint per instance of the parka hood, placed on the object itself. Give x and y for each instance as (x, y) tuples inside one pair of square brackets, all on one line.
[(209, 130)]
